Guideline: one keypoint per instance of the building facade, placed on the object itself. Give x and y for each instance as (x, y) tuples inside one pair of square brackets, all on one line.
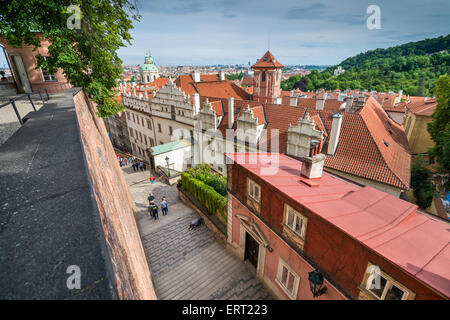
[(289, 223), (25, 77)]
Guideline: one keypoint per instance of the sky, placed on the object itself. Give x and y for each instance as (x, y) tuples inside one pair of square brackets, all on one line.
[(297, 32)]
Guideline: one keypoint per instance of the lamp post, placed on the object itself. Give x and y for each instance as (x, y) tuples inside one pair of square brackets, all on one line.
[(316, 282), (168, 169)]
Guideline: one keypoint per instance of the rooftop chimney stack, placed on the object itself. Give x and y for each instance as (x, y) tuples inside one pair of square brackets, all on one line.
[(320, 102), (222, 75), (335, 132), (196, 76), (230, 112), (196, 101), (293, 101)]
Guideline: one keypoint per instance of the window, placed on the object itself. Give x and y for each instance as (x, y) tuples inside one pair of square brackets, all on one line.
[(170, 130), (142, 120), (134, 120), (149, 124), (385, 288), (152, 142), (128, 115), (287, 279), (131, 132), (46, 75), (159, 127), (263, 76), (145, 139), (253, 190), (295, 221)]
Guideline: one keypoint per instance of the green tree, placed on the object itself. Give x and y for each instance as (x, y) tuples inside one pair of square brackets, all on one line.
[(87, 55), (423, 189), (439, 127)]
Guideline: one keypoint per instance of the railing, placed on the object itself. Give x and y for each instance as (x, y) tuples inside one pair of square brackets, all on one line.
[(43, 94)]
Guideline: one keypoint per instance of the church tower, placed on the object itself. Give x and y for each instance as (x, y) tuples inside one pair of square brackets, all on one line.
[(149, 71), (267, 79)]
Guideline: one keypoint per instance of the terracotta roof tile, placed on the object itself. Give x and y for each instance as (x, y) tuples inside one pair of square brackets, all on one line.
[(267, 61)]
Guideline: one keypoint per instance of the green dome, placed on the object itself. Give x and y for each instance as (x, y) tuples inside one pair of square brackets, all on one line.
[(149, 65)]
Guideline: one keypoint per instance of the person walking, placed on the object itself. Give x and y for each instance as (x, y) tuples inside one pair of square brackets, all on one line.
[(164, 208), (144, 166), (134, 166), (152, 179), (155, 210), (141, 166)]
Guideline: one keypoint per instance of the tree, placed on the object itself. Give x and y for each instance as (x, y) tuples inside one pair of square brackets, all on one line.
[(423, 189), (88, 54), (439, 127)]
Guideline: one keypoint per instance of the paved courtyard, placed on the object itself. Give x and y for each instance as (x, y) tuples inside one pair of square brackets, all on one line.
[(8, 118), (187, 264)]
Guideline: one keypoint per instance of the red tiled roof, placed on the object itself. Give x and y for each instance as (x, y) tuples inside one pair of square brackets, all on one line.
[(247, 81), (210, 86), (387, 225), (422, 108), (361, 150), (267, 61)]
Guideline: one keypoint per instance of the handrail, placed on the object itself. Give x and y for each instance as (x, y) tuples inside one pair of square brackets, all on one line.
[(61, 86)]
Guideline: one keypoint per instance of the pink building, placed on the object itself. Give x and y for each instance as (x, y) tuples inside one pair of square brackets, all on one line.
[(289, 223), (25, 78)]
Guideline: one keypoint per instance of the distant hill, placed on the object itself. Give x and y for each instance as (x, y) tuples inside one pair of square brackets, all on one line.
[(412, 67)]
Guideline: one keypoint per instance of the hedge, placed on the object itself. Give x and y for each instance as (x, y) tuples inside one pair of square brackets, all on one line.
[(205, 194)]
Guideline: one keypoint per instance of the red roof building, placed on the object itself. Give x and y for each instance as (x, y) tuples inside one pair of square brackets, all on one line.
[(287, 225)]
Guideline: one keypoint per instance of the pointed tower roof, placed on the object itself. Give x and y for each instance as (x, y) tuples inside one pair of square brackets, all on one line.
[(267, 61)]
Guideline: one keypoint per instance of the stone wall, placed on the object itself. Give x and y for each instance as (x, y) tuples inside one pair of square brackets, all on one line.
[(115, 206)]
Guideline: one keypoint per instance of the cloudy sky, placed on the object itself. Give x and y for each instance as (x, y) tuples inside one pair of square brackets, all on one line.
[(205, 32)]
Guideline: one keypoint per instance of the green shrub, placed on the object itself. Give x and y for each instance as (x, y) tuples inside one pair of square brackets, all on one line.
[(204, 173), (204, 193)]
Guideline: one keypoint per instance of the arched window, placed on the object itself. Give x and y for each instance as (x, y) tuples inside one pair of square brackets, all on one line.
[(263, 76)]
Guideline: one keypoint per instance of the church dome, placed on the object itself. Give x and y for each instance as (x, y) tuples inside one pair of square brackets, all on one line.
[(149, 64)]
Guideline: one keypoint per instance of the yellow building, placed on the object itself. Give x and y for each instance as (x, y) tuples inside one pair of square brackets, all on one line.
[(418, 115)]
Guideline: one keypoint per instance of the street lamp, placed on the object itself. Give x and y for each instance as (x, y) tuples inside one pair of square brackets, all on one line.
[(316, 282), (168, 170)]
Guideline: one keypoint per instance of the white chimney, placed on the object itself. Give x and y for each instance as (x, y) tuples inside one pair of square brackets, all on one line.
[(196, 101), (320, 104), (293, 101), (196, 76), (221, 75), (335, 132), (277, 101), (230, 112)]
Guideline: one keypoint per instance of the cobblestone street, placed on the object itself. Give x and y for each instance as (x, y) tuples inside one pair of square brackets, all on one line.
[(187, 264)]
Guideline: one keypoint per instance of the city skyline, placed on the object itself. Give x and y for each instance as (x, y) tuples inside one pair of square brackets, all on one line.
[(198, 32)]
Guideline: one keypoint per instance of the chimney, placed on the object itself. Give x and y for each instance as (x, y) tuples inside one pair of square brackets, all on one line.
[(320, 103), (293, 101), (196, 101), (196, 76), (312, 167), (335, 132), (277, 101), (221, 75), (348, 104), (230, 112)]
